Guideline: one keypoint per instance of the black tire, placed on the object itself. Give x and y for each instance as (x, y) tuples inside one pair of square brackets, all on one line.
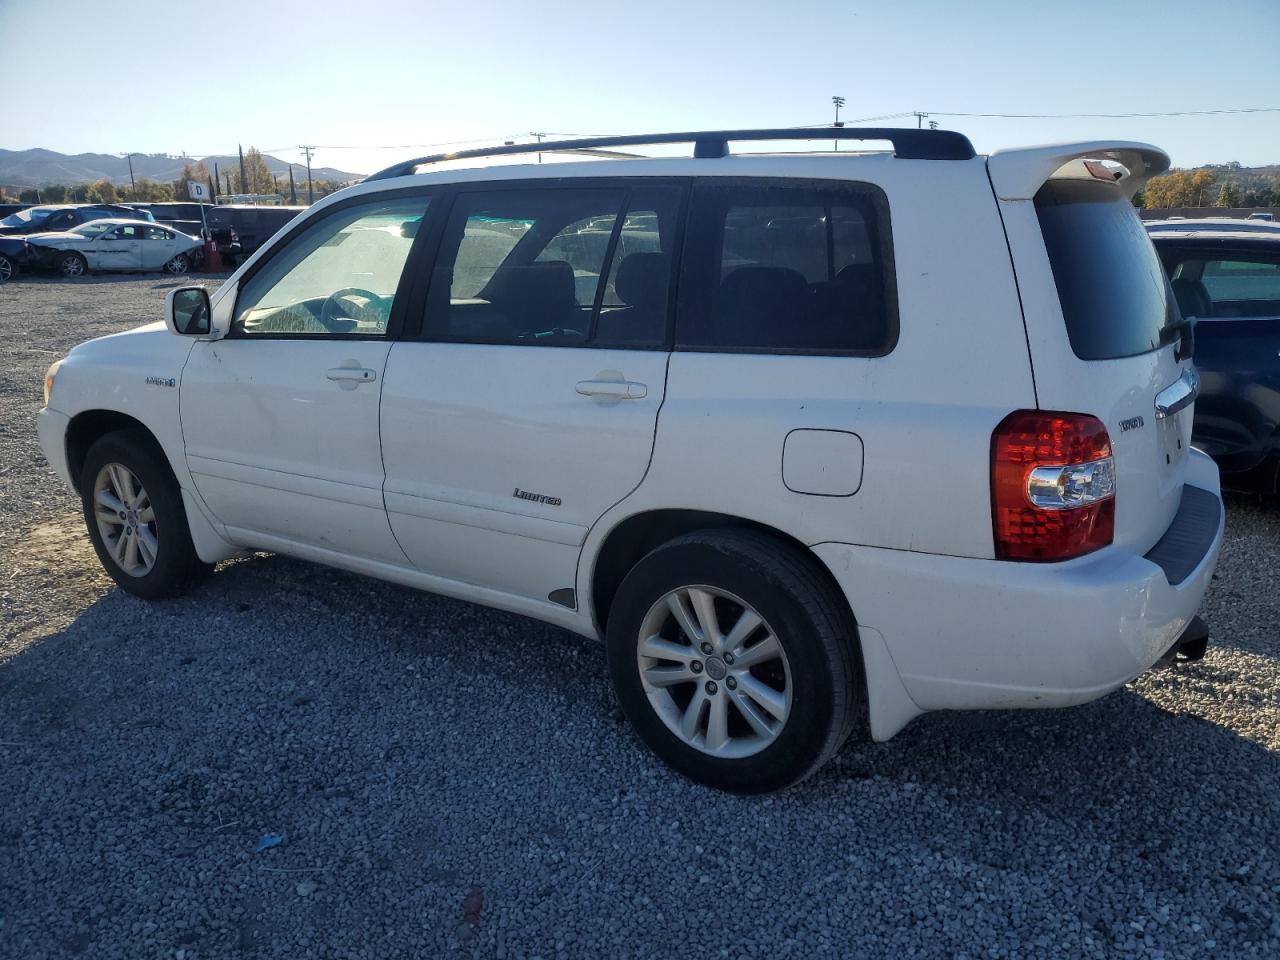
[(796, 598), (177, 264), (7, 269), (176, 566), (72, 265)]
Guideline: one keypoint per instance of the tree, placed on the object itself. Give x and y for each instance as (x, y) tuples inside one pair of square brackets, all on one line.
[(257, 178), (57, 193), (150, 191), (1201, 186), (102, 191), (1228, 196), (191, 173)]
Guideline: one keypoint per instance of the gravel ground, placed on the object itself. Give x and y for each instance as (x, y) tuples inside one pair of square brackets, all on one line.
[(451, 781)]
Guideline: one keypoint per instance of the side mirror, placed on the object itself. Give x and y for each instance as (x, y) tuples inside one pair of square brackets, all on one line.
[(186, 311)]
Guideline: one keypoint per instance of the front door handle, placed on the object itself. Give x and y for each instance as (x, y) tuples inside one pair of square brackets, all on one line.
[(350, 377), (613, 389)]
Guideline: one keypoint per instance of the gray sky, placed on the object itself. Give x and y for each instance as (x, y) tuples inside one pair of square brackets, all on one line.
[(378, 81)]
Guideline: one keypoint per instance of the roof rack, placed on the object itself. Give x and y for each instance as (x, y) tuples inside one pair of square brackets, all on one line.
[(908, 144)]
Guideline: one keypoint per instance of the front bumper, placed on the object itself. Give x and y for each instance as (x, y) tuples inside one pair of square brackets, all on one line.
[(963, 633), (51, 427)]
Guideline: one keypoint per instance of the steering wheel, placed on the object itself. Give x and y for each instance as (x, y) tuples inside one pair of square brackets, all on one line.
[(337, 307)]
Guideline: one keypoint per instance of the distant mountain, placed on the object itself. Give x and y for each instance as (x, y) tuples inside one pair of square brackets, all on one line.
[(39, 168)]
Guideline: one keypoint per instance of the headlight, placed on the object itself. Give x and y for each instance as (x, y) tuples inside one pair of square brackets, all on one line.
[(48, 379)]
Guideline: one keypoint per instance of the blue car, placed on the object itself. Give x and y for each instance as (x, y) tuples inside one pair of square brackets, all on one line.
[(1229, 284), (15, 254)]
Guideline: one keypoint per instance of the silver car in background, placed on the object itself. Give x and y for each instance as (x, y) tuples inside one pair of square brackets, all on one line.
[(114, 244)]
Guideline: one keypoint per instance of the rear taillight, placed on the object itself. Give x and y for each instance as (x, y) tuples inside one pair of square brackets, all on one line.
[(1053, 486)]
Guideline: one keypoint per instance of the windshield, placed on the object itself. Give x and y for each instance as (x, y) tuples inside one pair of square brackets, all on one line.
[(92, 229), (1115, 298), (24, 217)]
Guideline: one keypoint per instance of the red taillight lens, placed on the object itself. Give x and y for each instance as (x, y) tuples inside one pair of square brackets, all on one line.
[(1052, 486)]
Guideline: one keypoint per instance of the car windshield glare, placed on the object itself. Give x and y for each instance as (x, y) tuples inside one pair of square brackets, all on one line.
[(23, 217), (91, 229)]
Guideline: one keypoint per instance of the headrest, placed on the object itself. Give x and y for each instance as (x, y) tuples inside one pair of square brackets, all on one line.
[(546, 284), (764, 288), (642, 279), (1193, 299)]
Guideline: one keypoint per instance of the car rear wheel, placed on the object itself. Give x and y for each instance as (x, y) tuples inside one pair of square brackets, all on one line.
[(72, 265), (136, 519), (735, 659), (179, 264)]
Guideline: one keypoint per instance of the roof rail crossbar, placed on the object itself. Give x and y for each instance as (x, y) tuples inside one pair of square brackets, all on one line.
[(908, 144)]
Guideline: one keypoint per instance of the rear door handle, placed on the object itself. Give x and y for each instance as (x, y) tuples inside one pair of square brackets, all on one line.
[(352, 374), (1178, 395), (613, 389)]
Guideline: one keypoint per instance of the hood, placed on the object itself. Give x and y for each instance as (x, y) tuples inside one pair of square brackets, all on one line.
[(53, 235), (138, 346)]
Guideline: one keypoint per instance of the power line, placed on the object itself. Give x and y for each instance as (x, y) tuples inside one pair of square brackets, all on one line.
[(1116, 116)]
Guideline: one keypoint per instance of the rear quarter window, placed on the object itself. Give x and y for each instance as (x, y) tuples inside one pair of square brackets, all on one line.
[(1114, 294)]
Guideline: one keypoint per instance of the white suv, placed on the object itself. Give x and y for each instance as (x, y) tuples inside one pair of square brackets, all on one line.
[(813, 442)]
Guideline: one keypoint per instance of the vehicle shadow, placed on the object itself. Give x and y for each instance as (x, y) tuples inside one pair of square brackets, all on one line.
[(388, 733)]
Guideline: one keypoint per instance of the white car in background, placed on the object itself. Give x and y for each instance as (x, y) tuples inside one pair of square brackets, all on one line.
[(114, 244)]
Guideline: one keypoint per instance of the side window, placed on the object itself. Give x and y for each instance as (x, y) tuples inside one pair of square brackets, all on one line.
[(1242, 288), (555, 266), (337, 277), (155, 233), (125, 233), (793, 268), (60, 221)]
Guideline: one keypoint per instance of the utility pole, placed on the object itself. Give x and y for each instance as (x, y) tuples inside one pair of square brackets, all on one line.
[(920, 119), (308, 150), (839, 102), (534, 133), (132, 185)]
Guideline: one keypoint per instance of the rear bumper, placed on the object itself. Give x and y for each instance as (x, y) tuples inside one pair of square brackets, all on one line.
[(973, 634)]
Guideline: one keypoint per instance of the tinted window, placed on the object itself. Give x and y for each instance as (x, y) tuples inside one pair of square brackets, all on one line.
[(793, 268), (1246, 285), (125, 233), (338, 276), (155, 233), (1113, 291), (556, 266)]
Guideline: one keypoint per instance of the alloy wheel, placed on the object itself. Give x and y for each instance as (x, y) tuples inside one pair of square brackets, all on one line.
[(126, 520), (714, 671)]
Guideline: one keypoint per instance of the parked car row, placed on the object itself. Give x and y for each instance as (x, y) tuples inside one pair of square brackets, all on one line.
[(64, 237), (912, 431)]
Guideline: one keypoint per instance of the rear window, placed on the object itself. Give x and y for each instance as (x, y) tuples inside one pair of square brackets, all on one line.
[(1115, 298), (788, 268)]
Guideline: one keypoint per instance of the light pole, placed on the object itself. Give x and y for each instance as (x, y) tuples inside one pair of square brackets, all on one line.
[(307, 150), (839, 102)]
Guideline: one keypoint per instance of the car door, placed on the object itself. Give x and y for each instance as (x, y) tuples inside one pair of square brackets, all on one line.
[(1232, 290), (527, 405), (158, 247), (280, 417), (120, 248)]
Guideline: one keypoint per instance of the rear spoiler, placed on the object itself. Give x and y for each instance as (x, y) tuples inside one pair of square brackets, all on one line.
[(1018, 174)]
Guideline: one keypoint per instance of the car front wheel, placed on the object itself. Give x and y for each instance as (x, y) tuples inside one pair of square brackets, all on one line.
[(6, 269), (72, 265), (735, 659), (135, 515)]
